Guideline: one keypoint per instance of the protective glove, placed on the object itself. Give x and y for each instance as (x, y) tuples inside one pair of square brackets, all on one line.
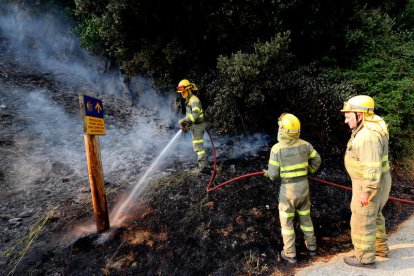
[(184, 121), (265, 173), (184, 124)]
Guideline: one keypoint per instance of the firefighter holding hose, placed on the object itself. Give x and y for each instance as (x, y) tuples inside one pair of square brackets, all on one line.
[(194, 121), (366, 161), (292, 159)]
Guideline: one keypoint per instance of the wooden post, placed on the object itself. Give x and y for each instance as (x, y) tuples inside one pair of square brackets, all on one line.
[(96, 180)]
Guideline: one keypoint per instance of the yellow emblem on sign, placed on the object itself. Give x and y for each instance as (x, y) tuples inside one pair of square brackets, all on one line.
[(89, 106)]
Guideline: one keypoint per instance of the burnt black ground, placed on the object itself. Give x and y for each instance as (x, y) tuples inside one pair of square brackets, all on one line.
[(179, 229)]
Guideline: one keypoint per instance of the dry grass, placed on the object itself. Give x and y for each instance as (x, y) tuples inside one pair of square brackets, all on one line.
[(27, 241), (254, 266)]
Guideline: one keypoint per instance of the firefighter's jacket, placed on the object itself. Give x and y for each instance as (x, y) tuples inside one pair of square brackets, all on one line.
[(366, 157), (194, 110), (366, 160), (195, 115), (292, 158)]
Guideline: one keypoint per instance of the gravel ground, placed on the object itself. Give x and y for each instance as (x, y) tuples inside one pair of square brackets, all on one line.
[(400, 261)]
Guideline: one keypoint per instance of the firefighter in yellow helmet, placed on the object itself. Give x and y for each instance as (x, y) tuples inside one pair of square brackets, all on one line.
[(366, 161), (292, 159), (194, 121)]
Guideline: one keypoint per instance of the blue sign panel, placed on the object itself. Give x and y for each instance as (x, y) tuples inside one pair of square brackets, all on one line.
[(93, 107)]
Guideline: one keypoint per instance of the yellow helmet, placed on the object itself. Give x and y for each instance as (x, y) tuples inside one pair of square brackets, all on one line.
[(183, 85), (289, 123), (360, 103)]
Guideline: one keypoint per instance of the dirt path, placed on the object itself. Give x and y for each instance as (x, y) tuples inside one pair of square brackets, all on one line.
[(400, 261)]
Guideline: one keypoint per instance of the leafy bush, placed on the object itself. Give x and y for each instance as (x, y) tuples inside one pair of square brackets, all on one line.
[(252, 84), (386, 72), (89, 34), (169, 40), (252, 90), (243, 84), (316, 95)]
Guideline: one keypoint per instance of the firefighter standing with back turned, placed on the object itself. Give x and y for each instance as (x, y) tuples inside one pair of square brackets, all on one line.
[(194, 121), (292, 159), (366, 161)]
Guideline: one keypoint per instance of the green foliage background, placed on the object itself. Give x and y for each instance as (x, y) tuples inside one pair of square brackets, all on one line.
[(385, 71), (253, 60)]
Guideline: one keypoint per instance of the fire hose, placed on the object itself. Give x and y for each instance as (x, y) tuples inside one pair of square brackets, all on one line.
[(214, 171)]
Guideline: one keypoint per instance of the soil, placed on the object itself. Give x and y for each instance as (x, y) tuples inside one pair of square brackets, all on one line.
[(175, 227)]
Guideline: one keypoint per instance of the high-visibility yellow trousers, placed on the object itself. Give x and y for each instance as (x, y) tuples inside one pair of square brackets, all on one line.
[(368, 224), (197, 134), (294, 198)]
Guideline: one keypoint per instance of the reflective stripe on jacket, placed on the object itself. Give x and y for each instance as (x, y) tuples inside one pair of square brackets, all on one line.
[(194, 110), (298, 158)]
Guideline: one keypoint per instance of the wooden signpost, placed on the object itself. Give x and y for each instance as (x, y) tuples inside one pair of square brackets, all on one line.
[(93, 125)]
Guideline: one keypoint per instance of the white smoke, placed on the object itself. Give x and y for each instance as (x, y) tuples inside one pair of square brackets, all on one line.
[(45, 43)]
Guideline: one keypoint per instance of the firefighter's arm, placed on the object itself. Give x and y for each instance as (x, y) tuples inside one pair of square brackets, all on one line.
[(314, 160), (196, 111), (273, 171), (370, 152)]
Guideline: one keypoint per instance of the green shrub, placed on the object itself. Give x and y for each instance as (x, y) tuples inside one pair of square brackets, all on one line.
[(89, 34), (386, 72), (244, 83)]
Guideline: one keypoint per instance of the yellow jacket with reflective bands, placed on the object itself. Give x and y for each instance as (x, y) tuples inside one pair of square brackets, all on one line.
[(366, 157), (194, 110), (292, 158)]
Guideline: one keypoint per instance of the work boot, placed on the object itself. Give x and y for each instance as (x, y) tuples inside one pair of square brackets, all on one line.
[(353, 261), (195, 170), (205, 170), (291, 260), (199, 170), (382, 254), (312, 253), (203, 167)]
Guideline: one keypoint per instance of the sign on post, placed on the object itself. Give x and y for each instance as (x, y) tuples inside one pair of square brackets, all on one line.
[(93, 113), (93, 124)]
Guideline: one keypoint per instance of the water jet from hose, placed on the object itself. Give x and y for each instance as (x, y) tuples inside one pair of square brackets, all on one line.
[(123, 207)]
